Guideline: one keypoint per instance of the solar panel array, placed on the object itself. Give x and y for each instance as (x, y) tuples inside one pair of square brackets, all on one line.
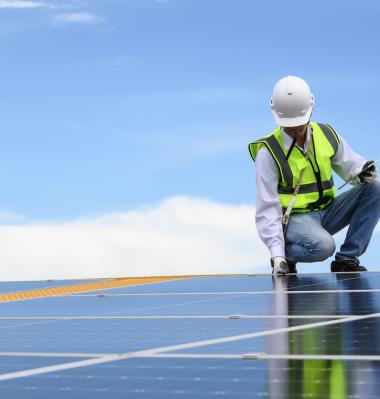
[(300, 336)]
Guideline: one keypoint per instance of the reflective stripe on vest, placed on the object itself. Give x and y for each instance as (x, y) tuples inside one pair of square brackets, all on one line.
[(307, 188), (278, 155), (330, 135)]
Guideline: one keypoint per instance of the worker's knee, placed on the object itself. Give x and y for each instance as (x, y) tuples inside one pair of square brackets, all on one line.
[(320, 248), (314, 246), (325, 247)]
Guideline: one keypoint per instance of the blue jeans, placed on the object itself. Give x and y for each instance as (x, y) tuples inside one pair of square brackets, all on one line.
[(309, 235)]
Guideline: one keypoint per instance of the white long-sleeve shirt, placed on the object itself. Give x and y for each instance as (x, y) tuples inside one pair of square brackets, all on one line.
[(346, 164)]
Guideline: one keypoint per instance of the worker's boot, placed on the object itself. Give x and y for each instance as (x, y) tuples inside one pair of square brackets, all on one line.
[(349, 265), (279, 268)]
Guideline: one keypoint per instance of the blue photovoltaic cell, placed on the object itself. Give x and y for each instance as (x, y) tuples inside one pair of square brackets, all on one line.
[(200, 377), (346, 281), (140, 305), (204, 379), (339, 339), (120, 336), (151, 378), (10, 364), (334, 303), (230, 284), (305, 282), (203, 284)]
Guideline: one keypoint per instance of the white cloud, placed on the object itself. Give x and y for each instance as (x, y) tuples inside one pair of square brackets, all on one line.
[(78, 18), (19, 4), (10, 217), (181, 235)]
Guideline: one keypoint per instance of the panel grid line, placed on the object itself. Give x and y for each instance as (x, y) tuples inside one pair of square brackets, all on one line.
[(148, 294)]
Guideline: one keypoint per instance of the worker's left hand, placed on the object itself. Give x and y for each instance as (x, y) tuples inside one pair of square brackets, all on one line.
[(368, 175)]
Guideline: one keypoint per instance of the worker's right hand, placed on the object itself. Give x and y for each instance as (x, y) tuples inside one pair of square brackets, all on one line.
[(368, 175), (279, 266)]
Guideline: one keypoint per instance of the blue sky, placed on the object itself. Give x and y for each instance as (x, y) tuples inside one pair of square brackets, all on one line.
[(134, 101), (110, 105)]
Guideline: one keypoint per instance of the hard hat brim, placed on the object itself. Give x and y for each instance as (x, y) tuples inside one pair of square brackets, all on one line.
[(291, 122)]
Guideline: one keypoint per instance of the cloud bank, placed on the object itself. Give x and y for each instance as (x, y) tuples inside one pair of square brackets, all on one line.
[(181, 235)]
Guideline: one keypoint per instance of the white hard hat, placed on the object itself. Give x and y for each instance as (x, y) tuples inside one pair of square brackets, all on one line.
[(292, 102)]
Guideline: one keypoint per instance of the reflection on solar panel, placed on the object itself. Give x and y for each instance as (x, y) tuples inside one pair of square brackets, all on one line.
[(302, 336)]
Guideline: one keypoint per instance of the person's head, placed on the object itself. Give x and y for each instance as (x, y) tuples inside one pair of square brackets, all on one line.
[(292, 103)]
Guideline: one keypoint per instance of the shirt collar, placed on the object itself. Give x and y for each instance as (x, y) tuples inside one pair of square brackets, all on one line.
[(288, 140)]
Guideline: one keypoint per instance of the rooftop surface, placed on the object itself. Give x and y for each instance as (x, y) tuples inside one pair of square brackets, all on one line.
[(300, 336)]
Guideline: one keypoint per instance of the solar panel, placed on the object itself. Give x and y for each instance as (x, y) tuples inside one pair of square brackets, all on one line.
[(300, 336)]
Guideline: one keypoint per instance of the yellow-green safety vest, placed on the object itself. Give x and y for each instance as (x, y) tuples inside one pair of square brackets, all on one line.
[(317, 189)]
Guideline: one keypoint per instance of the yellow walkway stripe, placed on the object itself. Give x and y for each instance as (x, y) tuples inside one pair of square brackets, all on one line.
[(84, 287)]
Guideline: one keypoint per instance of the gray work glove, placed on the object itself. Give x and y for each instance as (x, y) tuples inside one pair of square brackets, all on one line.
[(368, 175), (279, 266)]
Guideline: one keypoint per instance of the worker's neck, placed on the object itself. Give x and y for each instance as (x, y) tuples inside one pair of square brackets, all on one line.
[(299, 135)]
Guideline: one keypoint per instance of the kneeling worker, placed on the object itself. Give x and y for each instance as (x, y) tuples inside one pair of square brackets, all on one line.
[(297, 212)]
